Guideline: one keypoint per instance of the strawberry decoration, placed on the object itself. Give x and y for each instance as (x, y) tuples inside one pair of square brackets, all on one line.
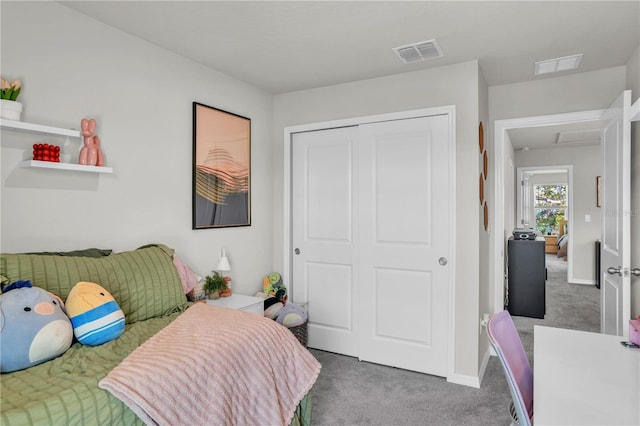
[(46, 152)]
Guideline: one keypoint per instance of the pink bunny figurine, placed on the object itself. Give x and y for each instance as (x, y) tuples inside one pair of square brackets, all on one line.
[(90, 153), (99, 157)]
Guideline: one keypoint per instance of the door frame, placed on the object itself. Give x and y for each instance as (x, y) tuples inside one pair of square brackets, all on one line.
[(499, 141), (450, 111)]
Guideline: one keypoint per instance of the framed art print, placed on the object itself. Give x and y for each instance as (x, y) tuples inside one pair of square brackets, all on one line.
[(221, 168)]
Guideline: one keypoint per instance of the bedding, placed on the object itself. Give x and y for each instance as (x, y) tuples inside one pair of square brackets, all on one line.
[(563, 246), (142, 281), (563, 239), (90, 252), (234, 372), (64, 391)]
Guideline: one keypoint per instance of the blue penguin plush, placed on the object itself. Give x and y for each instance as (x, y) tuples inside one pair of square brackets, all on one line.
[(34, 327)]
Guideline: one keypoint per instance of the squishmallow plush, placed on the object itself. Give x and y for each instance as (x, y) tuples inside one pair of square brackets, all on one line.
[(272, 285), (94, 313), (272, 307), (292, 315), (33, 326)]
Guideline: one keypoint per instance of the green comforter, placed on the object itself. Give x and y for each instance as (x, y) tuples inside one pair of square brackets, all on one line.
[(64, 391)]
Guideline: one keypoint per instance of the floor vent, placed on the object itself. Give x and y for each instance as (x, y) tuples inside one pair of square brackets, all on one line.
[(419, 51)]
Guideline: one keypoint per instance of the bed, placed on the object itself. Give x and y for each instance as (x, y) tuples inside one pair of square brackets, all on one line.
[(217, 369), (563, 239)]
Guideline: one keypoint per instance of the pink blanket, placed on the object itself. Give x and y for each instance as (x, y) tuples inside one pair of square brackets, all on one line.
[(215, 365)]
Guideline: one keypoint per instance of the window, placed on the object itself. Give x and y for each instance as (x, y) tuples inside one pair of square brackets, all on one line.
[(550, 207)]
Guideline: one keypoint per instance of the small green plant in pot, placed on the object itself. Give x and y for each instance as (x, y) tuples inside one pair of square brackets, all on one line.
[(213, 285), (9, 91)]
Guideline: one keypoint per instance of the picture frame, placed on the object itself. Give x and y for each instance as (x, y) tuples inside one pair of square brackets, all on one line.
[(598, 192), (221, 178)]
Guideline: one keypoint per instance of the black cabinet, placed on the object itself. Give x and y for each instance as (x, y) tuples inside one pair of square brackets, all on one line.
[(527, 278)]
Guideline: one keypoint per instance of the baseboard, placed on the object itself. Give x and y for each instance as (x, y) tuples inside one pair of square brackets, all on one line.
[(461, 379), (471, 381), (582, 282), (484, 363)]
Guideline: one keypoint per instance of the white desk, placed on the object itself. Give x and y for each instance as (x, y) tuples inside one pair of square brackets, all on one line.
[(582, 378)]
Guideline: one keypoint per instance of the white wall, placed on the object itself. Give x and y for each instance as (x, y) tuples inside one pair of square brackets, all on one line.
[(451, 85), (586, 166), (73, 67), (555, 95), (633, 83), (509, 167), (486, 286), (549, 178)]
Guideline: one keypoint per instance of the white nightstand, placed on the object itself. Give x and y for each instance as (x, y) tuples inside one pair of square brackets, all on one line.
[(254, 305)]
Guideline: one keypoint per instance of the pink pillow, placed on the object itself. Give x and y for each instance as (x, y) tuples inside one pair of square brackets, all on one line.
[(188, 278)]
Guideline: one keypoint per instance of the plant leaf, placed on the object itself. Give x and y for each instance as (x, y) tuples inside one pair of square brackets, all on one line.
[(15, 94)]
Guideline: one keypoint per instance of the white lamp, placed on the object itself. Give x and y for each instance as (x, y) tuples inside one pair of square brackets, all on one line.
[(223, 262), (223, 266)]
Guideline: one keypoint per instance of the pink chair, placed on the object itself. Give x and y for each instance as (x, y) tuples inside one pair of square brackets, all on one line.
[(505, 339)]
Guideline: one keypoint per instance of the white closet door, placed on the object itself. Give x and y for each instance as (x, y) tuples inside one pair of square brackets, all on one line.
[(370, 223), (405, 243), (324, 209)]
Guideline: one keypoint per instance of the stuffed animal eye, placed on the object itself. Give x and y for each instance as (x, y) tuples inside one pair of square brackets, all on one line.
[(27, 309), (101, 294), (54, 302)]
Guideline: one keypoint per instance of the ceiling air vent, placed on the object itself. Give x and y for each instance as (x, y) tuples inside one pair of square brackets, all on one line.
[(579, 137), (419, 51), (565, 63)]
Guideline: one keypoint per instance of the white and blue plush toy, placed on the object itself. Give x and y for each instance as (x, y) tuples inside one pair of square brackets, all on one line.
[(34, 327)]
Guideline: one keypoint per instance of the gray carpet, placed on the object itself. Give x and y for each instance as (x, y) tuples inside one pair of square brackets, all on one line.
[(350, 392)]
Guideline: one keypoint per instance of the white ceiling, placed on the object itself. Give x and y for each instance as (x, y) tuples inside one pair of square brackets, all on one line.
[(283, 46)]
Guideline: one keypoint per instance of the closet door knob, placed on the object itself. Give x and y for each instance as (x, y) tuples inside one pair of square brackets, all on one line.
[(442, 261), (297, 251), (635, 272), (614, 271)]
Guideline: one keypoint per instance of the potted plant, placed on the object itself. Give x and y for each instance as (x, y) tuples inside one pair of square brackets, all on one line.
[(213, 285), (10, 108)]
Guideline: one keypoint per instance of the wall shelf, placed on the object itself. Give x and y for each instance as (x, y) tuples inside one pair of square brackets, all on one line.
[(65, 166), (38, 128), (22, 126)]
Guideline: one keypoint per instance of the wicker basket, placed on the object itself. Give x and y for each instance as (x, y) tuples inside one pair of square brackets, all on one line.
[(300, 332)]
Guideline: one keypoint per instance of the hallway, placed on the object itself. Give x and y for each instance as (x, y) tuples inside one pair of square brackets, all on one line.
[(574, 306)]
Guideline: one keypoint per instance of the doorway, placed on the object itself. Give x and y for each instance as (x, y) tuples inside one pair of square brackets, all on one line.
[(545, 204), (502, 146)]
